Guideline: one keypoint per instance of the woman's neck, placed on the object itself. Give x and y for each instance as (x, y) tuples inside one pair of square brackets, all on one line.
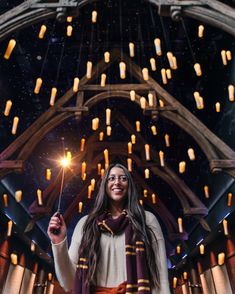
[(115, 210)]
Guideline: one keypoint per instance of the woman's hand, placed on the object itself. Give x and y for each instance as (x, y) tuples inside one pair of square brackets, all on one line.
[(57, 229)]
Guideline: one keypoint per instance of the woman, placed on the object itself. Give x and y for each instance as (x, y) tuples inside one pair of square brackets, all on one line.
[(117, 248)]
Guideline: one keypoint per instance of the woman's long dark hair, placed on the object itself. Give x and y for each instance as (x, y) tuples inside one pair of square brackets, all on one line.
[(91, 232)]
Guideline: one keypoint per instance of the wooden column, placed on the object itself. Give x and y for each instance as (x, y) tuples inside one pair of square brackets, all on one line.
[(230, 262)]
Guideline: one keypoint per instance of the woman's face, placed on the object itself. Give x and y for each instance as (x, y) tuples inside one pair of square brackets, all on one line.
[(117, 185)]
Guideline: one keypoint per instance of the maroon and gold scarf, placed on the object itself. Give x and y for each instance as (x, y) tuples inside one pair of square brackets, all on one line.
[(136, 266)]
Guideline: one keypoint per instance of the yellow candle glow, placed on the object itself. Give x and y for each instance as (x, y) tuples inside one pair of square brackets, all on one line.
[(106, 156), (217, 107), (137, 125), (161, 103), (133, 139), (145, 73), (221, 258), (170, 59), (132, 49), (185, 275), (75, 84), (14, 258), (154, 199), (38, 86), (48, 174), (174, 282), (153, 64), (5, 200), (167, 140), (202, 249), (82, 147), (42, 32), (83, 168), (182, 167), (143, 102), (129, 147), (89, 192), (80, 204), (229, 55), (18, 195), (180, 224), (101, 136), (49, 276), (32, 246), (106, 57), (198, 70), (88, 69), (129, 164), (224, 57), (161, 158), (69, 18), (157, 43), (225, 227), (122, 68), (145, 193), (206, 191), (8, 107), (108, 116), (53, 96), (147, 151), (10, 47), (9, 228), (200, 31), (150, 99), (15, 125), (231, 93), (141, 202), (109, 130), (175, 66), (132, 95), (102, 172), (178, 249), (94, 16), (103, 80), (95, 123), (164, 78), (99, 169), (69, 156), (146, 173), (154, 130), (39, 197), (191, 154), (83, 177), (69, 31), (168, 74), (230, 199)]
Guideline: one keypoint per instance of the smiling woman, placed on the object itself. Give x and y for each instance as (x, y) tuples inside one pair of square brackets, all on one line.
[(118, 246)]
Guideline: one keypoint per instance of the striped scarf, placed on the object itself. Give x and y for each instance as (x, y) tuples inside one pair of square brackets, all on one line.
[(136, 266)]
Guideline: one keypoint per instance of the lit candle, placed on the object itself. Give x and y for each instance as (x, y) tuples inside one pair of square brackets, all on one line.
[(224, 57), (137, 124), (83, 168), (89, 192), (101, 136), (39, 197), (147, 151), (231, 92), (108, 116), (95, 123), (145, 193), (180, 225), (49, 276), (69, 156), (154, 130), (154, 198), (167, 140), (146, 173), (18, 195), (129, 164), (109, 130), (80, 207), (15, 125), (200, 31), (161, 158), (84, 177), (168, 74), (132, 95), (48, 174), (103, 80), (69, 31), (106, 57), (82, 147), (174, 283), (89, 69), (14, 258), (178, 249), (145, 73), (202, 249), (106, 156), (161, 103), (141, 202), (170, 59), (132, 49), (191, 154), (225, 226), (221, 258), (157, 43), (32, 246), (150, 99), (185, 275), (133, 139), (69, 19), (42, 32), (102, 172), (175, 66), (153, 64), (53, 96), (164, 78), (129, 146), (217, 107), (197, 68), (182, 166), (9, 228), (38, 85), (122, 68), (8, 107), (143, 102), (75, 84), (10, 47), (99, 169), (5, 200), (94, 16), (206, 191), (229, 55), (230, 199)]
